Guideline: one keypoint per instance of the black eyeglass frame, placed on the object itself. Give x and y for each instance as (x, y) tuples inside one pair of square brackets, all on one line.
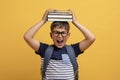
[(57, 33)]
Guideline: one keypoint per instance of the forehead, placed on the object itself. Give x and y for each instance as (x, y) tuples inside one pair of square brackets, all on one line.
[(58, 28)]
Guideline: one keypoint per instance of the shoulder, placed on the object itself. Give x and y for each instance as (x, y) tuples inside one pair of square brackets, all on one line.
[(76, 48), (42, 49)]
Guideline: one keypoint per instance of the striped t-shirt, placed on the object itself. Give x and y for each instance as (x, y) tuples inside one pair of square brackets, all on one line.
[(59, 67)]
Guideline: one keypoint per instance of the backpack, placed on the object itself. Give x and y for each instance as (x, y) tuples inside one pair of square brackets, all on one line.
[(71, 54)]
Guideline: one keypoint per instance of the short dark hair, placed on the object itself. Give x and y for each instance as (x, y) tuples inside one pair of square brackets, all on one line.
[(61, 24)]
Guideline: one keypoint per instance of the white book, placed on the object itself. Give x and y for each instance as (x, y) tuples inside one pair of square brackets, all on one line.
[(61, 19), (59, 16), (59, 12)]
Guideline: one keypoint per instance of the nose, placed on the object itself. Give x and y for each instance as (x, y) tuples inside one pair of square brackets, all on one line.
[(59, 35)]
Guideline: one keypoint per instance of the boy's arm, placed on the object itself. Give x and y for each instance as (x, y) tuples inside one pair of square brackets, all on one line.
[(89, 36), (29, 34)]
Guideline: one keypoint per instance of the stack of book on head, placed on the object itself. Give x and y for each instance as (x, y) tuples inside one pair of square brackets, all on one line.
[(59, 16)]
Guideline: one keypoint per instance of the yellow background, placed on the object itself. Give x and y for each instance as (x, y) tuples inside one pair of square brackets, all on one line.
[(99, 62)]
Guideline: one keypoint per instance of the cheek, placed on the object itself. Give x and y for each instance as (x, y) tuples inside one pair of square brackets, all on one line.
[(66, 38), (53, 38)]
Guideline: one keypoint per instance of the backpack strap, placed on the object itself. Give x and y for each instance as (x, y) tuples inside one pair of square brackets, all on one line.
[(73, 60), (48, 54)]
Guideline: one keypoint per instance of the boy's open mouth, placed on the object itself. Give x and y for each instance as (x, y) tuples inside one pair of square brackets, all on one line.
[(59, 41)]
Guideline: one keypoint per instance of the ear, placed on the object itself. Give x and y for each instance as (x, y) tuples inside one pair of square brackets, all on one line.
[(51, 34), (68, 35)]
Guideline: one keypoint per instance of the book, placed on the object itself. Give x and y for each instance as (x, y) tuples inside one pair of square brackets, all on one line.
[(59, 16), (59, 12), (60, 19)]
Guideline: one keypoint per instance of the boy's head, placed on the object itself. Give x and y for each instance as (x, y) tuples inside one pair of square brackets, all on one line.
[(60, 33), (61, 24)]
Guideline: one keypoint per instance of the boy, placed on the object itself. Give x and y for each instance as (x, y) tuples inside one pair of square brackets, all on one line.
[(60, 67)]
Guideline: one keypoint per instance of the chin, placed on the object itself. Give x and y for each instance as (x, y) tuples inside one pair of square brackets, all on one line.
[(59, 46)]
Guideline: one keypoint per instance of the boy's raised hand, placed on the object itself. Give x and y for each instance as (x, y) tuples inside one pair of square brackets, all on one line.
[(73, 15), (44, 18)]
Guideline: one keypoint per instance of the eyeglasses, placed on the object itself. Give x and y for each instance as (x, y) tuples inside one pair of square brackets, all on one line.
[(57, 33)]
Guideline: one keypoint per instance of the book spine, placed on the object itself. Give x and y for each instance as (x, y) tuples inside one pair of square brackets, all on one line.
[(59, 16), (53, 19), (61, 13)]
